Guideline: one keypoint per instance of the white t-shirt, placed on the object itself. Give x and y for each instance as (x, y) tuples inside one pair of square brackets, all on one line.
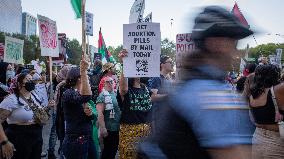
[(19, 113)]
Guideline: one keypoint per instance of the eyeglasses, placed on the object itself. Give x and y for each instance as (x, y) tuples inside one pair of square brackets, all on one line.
[(109, 82), (171, 62)]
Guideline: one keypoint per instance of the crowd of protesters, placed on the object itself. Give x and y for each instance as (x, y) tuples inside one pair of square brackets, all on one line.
[(99, 113)]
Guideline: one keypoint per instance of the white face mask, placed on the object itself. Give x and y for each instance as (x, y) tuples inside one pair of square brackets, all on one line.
[(10, 74)]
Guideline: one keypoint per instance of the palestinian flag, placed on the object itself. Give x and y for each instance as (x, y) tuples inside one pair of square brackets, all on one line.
[(102, 49), (236, 11), (76, 4)]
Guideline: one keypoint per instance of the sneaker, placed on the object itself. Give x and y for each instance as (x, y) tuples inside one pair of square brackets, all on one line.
[(43, 154)]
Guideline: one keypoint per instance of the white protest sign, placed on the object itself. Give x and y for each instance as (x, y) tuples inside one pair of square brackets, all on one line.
[(40, 90), (184, 46), (13, 52), (89, 24), (48, 37), (143, 43)]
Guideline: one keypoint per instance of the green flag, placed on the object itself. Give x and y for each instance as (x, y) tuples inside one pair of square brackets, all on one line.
[(76, 4)]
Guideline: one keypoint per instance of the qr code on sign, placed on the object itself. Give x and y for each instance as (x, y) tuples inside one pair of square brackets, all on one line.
[(142, 65)]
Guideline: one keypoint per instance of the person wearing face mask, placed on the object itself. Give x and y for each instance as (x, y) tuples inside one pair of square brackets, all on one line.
[(10, 73), (23, 137)]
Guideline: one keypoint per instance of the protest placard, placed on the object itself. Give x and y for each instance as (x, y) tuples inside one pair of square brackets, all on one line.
[(13, 50), (143, 43), (89, 24), (48, 37), (184, 45)]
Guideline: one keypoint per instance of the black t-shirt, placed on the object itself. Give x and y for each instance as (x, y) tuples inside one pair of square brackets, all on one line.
[(77, 122), (136, 106)]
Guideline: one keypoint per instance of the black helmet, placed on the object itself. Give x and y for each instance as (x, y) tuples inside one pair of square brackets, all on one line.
[(215, 21)]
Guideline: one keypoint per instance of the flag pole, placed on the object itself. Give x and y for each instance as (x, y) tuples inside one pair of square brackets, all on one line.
[(50, 77), (83, 28)]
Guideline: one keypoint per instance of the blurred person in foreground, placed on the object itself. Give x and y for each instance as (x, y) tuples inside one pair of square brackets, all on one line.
[(78, 142), (266, 112), (205, 118)]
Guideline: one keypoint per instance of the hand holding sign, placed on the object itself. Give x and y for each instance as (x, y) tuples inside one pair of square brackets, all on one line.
[(123, 53)]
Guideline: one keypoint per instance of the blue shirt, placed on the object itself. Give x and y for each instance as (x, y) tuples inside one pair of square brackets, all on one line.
[(218, 115)]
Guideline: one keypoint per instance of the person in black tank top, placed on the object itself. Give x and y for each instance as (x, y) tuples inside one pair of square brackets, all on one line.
[(266, 139)]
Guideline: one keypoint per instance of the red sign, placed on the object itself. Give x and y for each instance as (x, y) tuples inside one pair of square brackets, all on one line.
[(62, 41), (2, 48)]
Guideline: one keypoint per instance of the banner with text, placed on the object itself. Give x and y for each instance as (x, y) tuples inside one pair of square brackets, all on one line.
[(184, 45), (13, 50), (89, 24), (143, 43), (48, 37)]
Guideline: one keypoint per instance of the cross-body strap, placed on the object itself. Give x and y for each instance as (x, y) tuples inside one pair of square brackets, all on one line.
[(274, 99), (25, 99), (278, 116)]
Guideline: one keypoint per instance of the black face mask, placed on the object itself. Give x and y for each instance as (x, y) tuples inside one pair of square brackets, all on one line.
[(30, 86)]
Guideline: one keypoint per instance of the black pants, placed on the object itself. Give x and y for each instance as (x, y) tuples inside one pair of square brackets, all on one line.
[(27, 140), (79, 147), (110, 145)]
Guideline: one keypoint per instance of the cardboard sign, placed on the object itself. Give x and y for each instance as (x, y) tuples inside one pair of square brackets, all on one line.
[(13, 50), (143, 43), (184, 45), (48, 37)]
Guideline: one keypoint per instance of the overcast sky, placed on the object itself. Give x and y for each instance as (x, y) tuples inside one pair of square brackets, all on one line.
[(265, 17)]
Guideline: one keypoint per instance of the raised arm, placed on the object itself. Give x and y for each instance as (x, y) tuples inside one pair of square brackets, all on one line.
[(123, 83), (86, 88)]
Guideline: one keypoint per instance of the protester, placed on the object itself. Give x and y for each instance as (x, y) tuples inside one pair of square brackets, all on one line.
[(58, 129), (4, 89), (249, 69), (95, 78), (266, 140), (136, 110), (204, 118), (108, 119), (161, 86), (78, 142), (108, 71), (23, 137)]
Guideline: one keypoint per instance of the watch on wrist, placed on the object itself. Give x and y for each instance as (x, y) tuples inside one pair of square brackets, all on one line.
[(4, 142)]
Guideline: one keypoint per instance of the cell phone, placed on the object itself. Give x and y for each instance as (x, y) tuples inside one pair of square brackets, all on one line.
[(30, 67)]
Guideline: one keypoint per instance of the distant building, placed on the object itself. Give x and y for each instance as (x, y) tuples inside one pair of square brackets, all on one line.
[(29, 24), (11, 16)]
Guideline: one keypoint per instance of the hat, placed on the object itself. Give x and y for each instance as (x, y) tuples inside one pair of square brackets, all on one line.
[(107, 66), (215, 21)]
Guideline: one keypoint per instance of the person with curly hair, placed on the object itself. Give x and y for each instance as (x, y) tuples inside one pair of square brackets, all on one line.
[(266, 114)]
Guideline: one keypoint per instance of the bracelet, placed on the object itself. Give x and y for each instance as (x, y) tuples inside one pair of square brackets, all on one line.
[(4, 142)]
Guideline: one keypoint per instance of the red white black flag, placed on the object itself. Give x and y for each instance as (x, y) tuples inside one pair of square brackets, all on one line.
[(236, 11)]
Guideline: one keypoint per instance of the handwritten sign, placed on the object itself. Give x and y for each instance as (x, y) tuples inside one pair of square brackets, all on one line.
[(89, 23), (48, 37), (143, 43), (184, 45), (13, 50)]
